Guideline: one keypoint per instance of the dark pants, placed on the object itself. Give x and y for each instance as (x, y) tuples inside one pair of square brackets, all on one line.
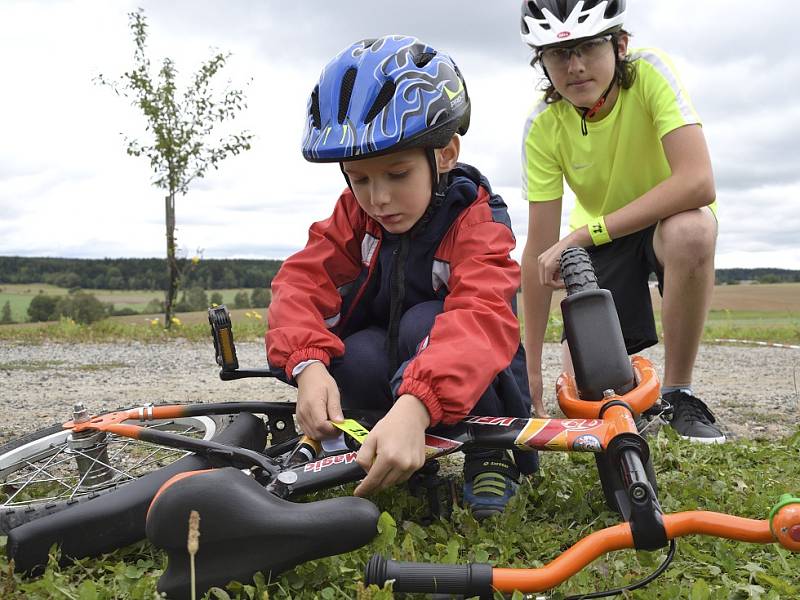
[(364, 381), (623, 267)]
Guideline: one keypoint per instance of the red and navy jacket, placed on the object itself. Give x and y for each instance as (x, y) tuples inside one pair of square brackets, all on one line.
[(337, 285)]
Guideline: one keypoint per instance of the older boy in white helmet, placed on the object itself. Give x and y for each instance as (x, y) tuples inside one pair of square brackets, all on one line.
[(620, 128)]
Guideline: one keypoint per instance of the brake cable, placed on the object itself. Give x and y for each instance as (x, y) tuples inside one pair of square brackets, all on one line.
[(634, 586), (657, 415)]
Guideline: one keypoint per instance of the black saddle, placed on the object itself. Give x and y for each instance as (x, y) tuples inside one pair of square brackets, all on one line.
[(245, 529)]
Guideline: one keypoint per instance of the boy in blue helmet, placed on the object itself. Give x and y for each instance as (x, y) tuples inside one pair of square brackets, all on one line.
[(403, 299), (621, 130)]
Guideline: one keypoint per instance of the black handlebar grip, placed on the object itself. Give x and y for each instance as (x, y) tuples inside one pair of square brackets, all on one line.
[(468, 580)]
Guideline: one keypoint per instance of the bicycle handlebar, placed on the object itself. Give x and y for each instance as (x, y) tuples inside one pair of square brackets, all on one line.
[(466, 580), (439, 578)]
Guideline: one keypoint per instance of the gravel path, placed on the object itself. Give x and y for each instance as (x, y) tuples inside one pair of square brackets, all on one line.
[(752, 390)]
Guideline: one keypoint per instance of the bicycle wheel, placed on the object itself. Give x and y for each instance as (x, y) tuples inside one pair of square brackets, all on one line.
[(46, 471), (577, 271)]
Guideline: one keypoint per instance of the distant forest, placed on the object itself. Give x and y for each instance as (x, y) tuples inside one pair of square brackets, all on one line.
[(216, 274), (759, 275), (137, 273)]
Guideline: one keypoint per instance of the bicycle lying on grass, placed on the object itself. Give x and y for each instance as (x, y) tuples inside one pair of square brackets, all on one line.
[(98, 483)]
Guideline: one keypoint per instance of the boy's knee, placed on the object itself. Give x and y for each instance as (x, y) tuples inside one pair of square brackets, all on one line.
[(689, 235), (364, 354), (417, 322)]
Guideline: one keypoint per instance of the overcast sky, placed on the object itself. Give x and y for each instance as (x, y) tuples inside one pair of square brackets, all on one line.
[(67, 187)]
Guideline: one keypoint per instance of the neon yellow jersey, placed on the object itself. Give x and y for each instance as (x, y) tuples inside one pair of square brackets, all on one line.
[(621, 158)]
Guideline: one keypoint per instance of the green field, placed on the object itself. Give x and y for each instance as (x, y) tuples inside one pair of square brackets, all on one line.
[(21, 294), (764, 312)]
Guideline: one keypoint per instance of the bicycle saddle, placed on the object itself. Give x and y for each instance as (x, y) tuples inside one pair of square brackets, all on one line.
[(245, 529)]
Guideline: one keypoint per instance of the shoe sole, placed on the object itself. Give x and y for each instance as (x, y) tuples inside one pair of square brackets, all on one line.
[(705, 440), (481, 514)]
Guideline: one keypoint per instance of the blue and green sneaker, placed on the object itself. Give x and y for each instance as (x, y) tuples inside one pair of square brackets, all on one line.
[(490, 480)]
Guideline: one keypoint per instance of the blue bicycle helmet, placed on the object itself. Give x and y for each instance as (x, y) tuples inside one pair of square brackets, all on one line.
[(384, 95)]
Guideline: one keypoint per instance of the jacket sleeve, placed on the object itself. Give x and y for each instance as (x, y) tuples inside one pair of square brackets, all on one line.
[(477, 334), (305, 298)]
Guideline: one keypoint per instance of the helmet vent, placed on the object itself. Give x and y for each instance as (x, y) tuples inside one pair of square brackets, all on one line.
[(535, 11), (612, 9), (582, 18), (423, 59), (316, 120), (348, 81), (384, 96)]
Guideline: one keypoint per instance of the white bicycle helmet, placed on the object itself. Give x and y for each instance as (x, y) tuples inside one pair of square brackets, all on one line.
[(547, 22)]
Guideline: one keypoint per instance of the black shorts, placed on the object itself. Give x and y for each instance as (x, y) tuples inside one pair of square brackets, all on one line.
[(623, 266)]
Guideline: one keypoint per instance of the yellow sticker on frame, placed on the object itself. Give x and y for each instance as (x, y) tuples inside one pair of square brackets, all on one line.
[(352, 428)]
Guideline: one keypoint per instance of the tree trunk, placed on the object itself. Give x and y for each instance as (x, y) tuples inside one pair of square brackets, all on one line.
[(172, 265)]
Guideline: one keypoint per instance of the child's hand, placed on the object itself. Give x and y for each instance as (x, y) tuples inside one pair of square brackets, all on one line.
[(550, 265), (395, 448), (318, 402)]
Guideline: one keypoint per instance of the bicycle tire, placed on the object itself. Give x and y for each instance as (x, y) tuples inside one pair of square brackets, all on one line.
[(47, 443), (577, 271)]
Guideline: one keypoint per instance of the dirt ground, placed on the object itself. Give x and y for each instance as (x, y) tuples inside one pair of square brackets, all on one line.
[(753, 391)]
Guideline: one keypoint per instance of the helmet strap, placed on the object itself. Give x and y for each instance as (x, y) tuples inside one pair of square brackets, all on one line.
[(588, 113), (438, 181), (346, 177), (438, 191)]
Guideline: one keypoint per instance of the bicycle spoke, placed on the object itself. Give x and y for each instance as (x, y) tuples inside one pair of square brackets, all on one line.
[(36, 471), (104, 464), (156, 448), (30, 464)]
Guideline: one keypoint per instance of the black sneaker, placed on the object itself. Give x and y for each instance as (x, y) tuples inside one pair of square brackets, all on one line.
[(692, 419)]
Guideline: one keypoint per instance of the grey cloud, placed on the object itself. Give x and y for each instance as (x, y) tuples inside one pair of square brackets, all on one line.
[(507, 170), (32, 185), (86, 249), (758, 219), (10, 168), (736, 175), (731, 90), (759, 150), (311, 33), (728, 31), (246, 250), (9, 210)]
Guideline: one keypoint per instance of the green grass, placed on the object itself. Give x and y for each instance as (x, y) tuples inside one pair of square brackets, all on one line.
[(551, 511), (724, 324), (752, 325), (140, 328), (766, 327)]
